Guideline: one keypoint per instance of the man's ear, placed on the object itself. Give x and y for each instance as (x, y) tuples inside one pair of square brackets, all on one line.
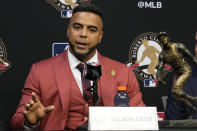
[(67, 32), (101, 36)]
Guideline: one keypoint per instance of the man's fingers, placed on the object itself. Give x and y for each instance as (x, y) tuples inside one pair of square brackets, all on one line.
[(35, 97), (27, 106), (24, 112), (49, 108), (31, 102)]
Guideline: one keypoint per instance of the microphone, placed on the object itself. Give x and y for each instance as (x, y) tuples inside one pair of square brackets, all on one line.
[(94, 73)]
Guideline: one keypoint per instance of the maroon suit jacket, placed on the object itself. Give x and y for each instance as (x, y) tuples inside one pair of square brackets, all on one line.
[(50, 80)]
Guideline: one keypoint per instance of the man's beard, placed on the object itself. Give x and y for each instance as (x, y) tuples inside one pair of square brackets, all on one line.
[(82, 56)]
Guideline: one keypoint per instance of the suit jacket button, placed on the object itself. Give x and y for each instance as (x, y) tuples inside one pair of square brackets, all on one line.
[(86, 118)]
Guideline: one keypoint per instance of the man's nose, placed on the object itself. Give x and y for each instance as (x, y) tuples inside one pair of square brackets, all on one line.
[(83, 33)]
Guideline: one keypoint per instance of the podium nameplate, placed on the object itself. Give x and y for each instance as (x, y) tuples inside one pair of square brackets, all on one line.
[(123, 118)]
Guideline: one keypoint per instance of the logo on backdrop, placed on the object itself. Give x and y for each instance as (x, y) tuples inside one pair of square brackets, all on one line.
[(150, 4), (4, 63), (59, 48), (66, 6), (143, 58)]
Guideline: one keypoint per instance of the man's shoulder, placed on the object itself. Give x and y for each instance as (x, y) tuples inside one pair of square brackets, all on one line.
[(49, 61)]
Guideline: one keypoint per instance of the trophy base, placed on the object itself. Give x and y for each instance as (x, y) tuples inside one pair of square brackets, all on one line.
[(178, 123)]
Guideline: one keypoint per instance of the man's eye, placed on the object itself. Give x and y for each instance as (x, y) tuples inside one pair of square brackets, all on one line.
[(76, 27), (93, 30)]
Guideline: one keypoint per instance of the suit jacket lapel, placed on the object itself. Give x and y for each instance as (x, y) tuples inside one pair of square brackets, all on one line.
[(106, 83), (62, 76)]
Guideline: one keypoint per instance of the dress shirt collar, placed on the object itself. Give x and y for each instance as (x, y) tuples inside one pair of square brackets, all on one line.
[(73, 61)]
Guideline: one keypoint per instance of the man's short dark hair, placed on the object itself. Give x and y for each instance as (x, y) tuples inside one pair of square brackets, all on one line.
[(88, 7)]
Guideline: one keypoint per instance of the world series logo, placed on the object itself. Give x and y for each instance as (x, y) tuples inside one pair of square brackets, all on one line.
[(143, 58), (4, 63)]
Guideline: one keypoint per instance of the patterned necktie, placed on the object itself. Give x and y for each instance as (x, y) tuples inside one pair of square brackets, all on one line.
[(85, 83)]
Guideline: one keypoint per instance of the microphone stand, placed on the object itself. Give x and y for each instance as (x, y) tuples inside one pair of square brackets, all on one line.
[(93, 73)]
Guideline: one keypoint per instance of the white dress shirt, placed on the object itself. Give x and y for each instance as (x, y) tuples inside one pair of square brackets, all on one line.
[(73, 62)]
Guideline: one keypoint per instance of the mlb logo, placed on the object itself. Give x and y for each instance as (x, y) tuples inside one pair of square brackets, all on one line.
[(59, 48), (149, 83), (66, 13)]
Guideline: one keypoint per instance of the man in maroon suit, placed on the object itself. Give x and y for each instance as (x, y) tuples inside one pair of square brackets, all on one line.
[(53, 93)]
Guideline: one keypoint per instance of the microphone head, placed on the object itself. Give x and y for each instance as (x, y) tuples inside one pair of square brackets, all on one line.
[(93, 72)]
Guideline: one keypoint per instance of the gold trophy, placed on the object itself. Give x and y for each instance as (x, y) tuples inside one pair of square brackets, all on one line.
[(175, 55)]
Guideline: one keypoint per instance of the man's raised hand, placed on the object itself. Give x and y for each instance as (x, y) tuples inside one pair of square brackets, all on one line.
[(35, 111)]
